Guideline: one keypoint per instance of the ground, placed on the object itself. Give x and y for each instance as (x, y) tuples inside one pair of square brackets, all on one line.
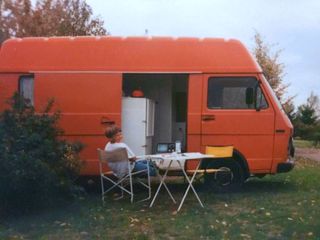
[(311, 153), (281, 206)]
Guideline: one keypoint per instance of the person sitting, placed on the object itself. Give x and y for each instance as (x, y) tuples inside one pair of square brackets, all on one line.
[(114, 134)]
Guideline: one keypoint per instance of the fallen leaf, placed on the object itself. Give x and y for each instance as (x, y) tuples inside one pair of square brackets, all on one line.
[(133, 220), (245, 235)]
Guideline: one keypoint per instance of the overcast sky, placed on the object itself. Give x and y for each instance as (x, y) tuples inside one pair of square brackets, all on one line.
[(292, 25)]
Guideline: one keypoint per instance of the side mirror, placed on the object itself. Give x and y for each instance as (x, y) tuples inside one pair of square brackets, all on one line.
[(249, 95)]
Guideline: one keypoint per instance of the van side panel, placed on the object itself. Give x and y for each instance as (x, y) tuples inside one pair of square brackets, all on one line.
[(8, 85), (88, 103)]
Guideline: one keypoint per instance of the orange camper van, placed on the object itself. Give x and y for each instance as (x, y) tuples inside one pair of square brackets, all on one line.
[(202, 92)]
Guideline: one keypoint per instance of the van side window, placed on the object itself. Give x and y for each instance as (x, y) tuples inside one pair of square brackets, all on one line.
[(26, 88), (230, 93)]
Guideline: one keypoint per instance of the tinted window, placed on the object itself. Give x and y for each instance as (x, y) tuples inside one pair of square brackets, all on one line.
[(26, 88), (230, 93)]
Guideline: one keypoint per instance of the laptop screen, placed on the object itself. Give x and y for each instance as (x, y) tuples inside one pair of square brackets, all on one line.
[(165, 147)]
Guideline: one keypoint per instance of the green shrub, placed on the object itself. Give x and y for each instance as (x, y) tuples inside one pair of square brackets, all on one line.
[(316, 136), (37, 167)]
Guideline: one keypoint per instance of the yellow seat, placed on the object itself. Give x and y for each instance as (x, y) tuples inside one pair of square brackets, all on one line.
[(220, 151), (217, 152)]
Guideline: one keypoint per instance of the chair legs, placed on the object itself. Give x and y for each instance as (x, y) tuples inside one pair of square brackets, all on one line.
[(102, 189), (148, 186), (124, 185)]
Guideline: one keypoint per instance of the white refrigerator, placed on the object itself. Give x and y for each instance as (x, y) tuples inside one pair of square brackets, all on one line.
[(137, 124)]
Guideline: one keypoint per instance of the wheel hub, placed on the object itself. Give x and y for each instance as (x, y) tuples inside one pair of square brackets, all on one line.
[(223, 176)]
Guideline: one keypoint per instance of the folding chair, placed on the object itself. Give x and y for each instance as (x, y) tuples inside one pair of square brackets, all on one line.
[(120, 157), (217, 152)]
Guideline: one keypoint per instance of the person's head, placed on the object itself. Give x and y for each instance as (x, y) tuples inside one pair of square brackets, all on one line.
[(113, 133)]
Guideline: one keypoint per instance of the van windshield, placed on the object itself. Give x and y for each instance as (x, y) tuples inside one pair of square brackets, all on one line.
[(273, 94)]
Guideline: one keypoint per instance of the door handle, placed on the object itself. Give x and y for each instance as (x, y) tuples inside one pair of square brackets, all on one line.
[(106, 120), (208, 117)]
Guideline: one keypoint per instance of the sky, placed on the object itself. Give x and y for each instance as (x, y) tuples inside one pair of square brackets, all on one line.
[(292, 26)]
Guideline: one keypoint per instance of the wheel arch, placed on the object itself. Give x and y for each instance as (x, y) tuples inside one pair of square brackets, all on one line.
[(239, 157)]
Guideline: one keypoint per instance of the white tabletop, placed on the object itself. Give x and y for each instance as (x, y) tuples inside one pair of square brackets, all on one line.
[(177, 156)]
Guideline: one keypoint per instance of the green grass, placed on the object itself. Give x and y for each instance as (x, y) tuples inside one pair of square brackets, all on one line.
[(304, 144), (284, 206)]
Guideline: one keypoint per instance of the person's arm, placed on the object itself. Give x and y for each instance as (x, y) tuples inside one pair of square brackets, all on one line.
[(132, 157)]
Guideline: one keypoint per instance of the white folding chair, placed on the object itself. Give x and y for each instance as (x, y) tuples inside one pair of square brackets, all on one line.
[(118, 157)]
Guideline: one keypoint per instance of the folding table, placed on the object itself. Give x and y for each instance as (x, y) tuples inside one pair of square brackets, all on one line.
[(179, 158)]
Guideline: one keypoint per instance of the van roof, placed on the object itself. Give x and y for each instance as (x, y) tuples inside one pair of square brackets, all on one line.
[(126, 54)]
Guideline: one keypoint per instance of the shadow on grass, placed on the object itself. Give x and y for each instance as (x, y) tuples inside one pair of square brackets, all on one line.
[(178, 186), (266, 186)]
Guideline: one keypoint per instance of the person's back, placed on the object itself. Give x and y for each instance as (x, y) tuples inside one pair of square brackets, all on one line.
[(119, 169), (114, 134)]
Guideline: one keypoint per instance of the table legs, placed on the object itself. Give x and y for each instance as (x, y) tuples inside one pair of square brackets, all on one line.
[(162, 179), (190, 181), (189, 185)]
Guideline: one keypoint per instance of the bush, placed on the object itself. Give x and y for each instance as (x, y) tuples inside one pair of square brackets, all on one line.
[(37, 167), (316, 136)]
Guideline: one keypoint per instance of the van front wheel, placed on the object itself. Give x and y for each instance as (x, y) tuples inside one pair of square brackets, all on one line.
[(228, 175)]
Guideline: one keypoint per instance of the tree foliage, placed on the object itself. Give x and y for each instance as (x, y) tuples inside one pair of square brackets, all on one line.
[(19, 18), (36, 167), (307, 122), (273, 71)]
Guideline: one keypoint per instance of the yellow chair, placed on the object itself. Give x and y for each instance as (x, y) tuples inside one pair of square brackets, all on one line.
[(217, 152), (220, 151)]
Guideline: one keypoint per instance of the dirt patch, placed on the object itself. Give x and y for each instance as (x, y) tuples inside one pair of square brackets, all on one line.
[(310, 153)]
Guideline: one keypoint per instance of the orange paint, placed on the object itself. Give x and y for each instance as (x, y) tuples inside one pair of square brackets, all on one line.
[(85, 76)]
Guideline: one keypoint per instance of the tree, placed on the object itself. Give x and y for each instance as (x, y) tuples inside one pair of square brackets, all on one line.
[(307, 113), (19, 18), (307, 121), (289, 108), (314, 103), (273, 71), (37, 167)]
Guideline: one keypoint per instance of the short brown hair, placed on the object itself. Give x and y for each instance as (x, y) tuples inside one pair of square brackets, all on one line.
[(112, 131)]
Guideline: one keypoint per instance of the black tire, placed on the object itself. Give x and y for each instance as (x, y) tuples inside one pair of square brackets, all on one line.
[(229, 179)]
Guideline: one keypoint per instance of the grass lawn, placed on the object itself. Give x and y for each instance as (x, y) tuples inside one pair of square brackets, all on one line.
[(284, 206), (303, 144)]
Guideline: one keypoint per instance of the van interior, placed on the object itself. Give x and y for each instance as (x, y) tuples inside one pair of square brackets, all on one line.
[(169, 93)]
